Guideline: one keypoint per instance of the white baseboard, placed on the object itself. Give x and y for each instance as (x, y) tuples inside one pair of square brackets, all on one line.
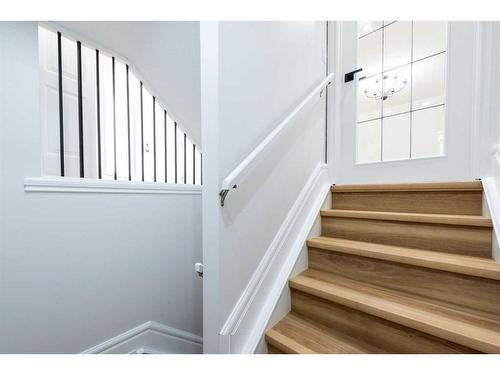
[(150, 338), (247, 322), (284, 304)]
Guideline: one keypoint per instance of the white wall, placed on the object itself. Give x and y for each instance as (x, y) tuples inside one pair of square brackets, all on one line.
[(264, 70), (496, 103), (77, 269), (488, 108), (167, 54), (488, 124)]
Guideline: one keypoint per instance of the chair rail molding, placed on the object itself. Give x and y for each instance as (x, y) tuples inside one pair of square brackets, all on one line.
[(247, 321)]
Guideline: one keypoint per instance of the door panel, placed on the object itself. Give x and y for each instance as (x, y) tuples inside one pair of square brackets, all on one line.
[(410, 118)]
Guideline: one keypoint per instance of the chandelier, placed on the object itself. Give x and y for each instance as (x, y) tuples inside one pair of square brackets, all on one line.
[(386, 87)]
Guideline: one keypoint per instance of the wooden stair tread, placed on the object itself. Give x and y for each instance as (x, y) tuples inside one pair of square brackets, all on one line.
[(463, 328), (296, 335), (412, 260), (463, 264), (424, 186), (286, 344), (465, 220)]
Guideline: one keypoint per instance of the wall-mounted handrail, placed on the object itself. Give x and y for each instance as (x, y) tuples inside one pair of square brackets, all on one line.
[(246, 166)]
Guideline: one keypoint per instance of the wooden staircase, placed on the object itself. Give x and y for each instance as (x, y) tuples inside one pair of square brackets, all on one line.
[(401, 268)]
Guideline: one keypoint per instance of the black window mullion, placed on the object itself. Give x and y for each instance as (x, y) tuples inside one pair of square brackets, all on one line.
[(61, 103), (185, 158), (98, 114), (165, 145), (142, 135), (175, 150), (115, 175), (80, 108), (128, 126), (154, 139)]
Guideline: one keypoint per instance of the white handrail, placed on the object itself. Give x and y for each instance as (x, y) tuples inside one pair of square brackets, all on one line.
[(244, 168)]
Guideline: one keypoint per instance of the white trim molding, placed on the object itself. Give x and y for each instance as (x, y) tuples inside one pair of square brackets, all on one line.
[(150, 337), (89, 185), (491, 188), (247, 322)]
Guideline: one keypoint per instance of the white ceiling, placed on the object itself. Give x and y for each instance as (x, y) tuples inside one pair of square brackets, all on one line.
[(165, 54)]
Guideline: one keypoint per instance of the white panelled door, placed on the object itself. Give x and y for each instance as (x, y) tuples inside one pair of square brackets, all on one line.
[(407, 116)]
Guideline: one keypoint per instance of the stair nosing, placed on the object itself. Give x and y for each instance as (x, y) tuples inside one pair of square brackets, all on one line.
[(421, 258), (423, 320), (341, 341), (444, 219), (414, 187), (282, 344)]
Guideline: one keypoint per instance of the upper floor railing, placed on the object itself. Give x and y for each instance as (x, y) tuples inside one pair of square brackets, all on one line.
[(239, 173), (102, 122)]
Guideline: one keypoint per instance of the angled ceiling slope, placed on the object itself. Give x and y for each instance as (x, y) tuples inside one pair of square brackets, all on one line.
[(166, 55)]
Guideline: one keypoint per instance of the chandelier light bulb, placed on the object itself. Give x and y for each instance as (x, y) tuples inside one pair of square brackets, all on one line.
[(382, 90)]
